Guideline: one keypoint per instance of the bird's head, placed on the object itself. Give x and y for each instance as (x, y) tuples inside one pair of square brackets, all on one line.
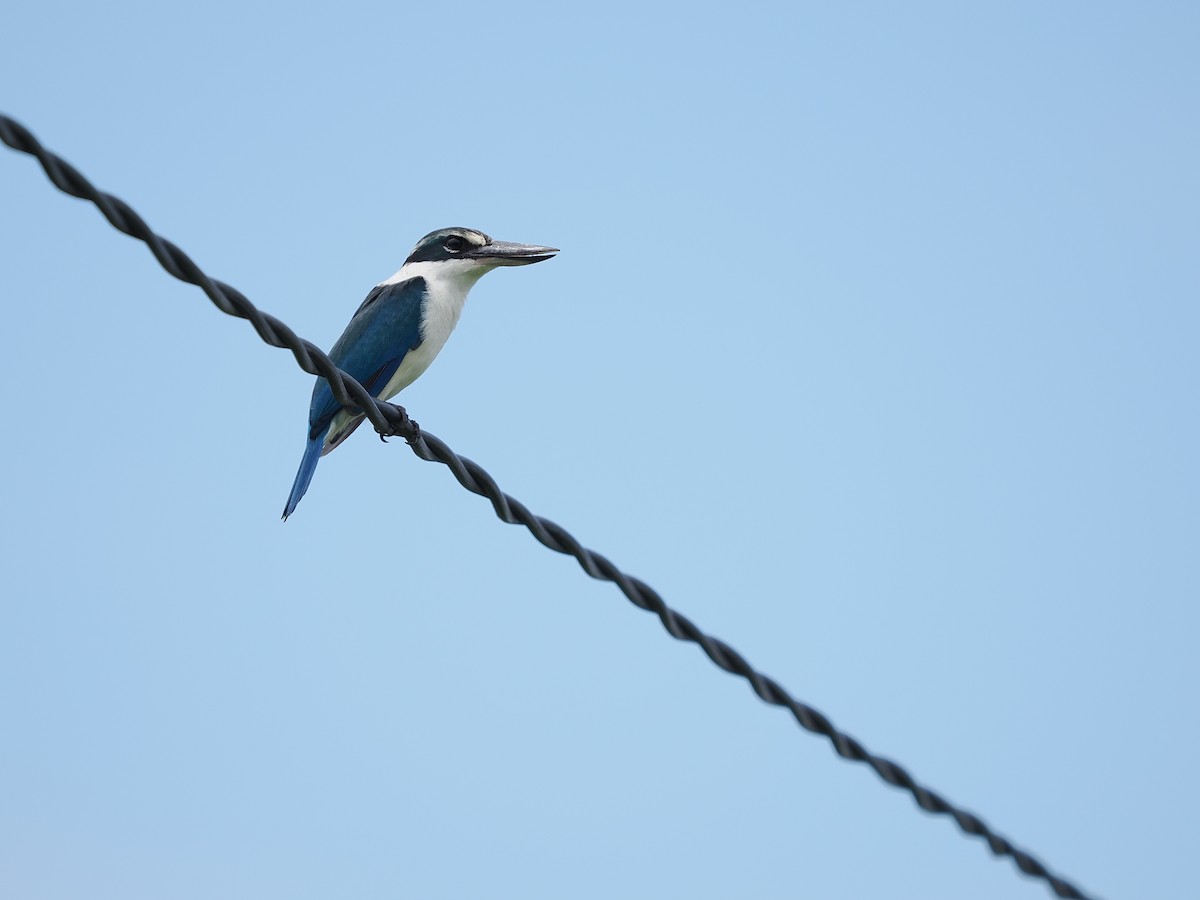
[(473, 251)]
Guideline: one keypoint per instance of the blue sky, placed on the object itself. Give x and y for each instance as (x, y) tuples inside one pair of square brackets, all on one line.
[(872, 346)]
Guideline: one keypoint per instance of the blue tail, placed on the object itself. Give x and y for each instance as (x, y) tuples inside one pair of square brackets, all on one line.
[(308, 465)]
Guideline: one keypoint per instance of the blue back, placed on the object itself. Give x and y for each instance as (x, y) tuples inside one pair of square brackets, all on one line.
[(379, 336)]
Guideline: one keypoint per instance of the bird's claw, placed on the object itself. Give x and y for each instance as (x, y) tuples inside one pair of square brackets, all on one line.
[(406, 424)]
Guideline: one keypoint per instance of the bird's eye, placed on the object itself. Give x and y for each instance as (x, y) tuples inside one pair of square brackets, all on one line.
[(454, 244)]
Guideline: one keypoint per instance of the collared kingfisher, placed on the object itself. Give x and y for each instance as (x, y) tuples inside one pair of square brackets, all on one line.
[(399, 329)]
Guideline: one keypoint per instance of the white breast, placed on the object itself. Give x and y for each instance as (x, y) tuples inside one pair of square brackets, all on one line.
[(447, 284)]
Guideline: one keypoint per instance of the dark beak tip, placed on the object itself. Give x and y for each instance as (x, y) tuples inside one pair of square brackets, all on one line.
[(535, 255)]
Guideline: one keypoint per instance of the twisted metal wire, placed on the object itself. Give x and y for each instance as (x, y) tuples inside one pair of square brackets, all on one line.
[(390, 419)]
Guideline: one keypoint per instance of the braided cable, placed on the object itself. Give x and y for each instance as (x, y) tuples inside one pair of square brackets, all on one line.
[(390, 419)]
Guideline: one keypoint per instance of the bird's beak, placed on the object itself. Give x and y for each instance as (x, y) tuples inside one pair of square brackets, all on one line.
[(502, 253)]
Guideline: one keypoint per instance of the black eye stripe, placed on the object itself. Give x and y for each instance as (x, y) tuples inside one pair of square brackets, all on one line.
[(448, 244)]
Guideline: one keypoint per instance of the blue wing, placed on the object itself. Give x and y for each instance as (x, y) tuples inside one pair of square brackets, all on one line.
[(379, 336)]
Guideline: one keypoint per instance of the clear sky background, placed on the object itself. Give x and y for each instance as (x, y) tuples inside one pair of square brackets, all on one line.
[(872, 346)]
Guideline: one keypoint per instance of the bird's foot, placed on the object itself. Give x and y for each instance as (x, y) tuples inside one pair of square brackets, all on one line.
[(406, 427)]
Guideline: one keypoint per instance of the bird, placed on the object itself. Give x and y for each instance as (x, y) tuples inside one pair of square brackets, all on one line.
[(400, 327)]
